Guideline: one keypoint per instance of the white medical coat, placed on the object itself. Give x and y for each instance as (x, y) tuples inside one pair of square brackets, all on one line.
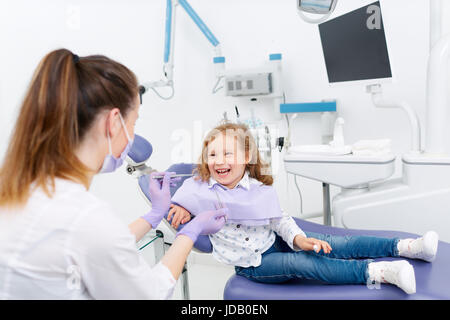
[(72, 246)]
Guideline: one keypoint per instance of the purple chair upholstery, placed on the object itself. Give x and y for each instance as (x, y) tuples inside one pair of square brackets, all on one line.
[(140, 150), (432, 279)]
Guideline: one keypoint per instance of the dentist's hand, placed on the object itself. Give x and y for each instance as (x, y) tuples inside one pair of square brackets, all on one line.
[(204, 223), (160, 197)]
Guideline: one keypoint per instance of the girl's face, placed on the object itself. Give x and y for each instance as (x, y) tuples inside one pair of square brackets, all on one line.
[(226, 160)]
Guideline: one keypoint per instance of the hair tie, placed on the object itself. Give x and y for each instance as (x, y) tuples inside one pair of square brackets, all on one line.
[(75, 58)]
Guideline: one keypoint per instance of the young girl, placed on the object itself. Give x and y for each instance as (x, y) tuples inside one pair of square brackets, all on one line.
[(266, 245)]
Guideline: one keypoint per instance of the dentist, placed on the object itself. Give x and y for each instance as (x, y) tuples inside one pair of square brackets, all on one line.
[(57, 240)]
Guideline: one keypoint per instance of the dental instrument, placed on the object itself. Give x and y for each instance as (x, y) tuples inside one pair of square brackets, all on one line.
[(268, 149), (237, 114), (220, 204), (175, 176)]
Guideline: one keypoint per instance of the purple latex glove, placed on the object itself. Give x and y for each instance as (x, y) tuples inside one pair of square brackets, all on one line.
[(173, 180), (160, 197), (207, 222)]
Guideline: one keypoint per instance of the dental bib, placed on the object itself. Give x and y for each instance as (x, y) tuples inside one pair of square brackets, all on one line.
[(254, 206)]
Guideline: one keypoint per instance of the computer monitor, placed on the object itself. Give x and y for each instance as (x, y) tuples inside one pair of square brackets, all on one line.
[(354, 47)]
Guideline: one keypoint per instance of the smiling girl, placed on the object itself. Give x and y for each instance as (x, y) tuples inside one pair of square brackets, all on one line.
[(266, 245)]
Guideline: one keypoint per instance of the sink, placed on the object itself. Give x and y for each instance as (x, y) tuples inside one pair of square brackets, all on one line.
[(345, 171)]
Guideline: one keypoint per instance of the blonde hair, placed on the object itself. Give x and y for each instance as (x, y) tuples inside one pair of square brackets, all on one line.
[(257, 169)]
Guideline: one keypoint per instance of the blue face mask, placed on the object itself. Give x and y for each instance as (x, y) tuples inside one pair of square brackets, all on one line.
[(111, 163)]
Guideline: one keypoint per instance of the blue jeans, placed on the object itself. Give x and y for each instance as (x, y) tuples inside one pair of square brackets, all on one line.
[(343, 265)]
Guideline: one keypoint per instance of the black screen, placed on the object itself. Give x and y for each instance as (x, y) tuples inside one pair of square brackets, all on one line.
[(354, 46)]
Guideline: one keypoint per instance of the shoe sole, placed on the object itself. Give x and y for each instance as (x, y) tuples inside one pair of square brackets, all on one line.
[(430, 241), (407, 279)]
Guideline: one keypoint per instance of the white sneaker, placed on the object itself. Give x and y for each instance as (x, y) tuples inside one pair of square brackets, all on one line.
[(424, 248), (400, 273)]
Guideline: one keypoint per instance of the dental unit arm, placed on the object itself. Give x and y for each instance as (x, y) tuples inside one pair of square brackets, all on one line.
[(437, 97), (169, 40), (380, 102), (263, 81)]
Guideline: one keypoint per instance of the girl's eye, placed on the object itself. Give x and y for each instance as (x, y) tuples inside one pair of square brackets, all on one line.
[(228, 153)]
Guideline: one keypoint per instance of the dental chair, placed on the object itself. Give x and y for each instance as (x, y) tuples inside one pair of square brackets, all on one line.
[(432, 279)]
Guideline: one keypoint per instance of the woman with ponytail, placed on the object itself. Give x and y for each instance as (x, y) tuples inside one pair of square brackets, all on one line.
[(57, 240)]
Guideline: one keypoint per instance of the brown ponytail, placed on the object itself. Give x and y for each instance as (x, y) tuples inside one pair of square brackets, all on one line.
[(65, 96)]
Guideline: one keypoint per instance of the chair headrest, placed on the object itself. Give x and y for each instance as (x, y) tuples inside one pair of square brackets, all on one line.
[(140, 151)]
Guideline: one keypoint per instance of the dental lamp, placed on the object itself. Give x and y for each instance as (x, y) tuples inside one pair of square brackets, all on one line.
[(322, 7)]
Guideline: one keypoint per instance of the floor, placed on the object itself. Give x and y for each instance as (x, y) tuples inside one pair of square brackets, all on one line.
[(206, 279)]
